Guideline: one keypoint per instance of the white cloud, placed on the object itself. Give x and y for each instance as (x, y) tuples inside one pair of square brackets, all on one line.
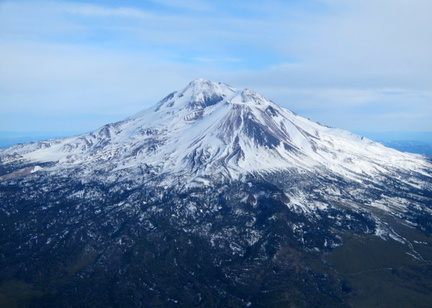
[(49, 78), (368, 43)]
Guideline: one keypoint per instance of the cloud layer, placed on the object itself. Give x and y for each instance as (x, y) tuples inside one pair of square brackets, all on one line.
[(73, 66)]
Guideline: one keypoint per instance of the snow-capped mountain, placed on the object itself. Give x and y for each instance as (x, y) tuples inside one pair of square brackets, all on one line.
[(215, 170), (211, 128), (209, 132)]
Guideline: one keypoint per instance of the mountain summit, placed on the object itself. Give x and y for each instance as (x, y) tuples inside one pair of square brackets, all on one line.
[(215, 196)]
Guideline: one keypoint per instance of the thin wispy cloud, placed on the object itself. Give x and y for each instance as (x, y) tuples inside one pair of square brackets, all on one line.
[(194, 5), (212, 60), (98, 11)]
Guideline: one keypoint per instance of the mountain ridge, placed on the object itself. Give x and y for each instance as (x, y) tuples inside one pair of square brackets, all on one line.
[(219, 118)]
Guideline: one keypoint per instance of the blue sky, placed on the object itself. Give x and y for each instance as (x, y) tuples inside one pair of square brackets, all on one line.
[(72, 66)]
